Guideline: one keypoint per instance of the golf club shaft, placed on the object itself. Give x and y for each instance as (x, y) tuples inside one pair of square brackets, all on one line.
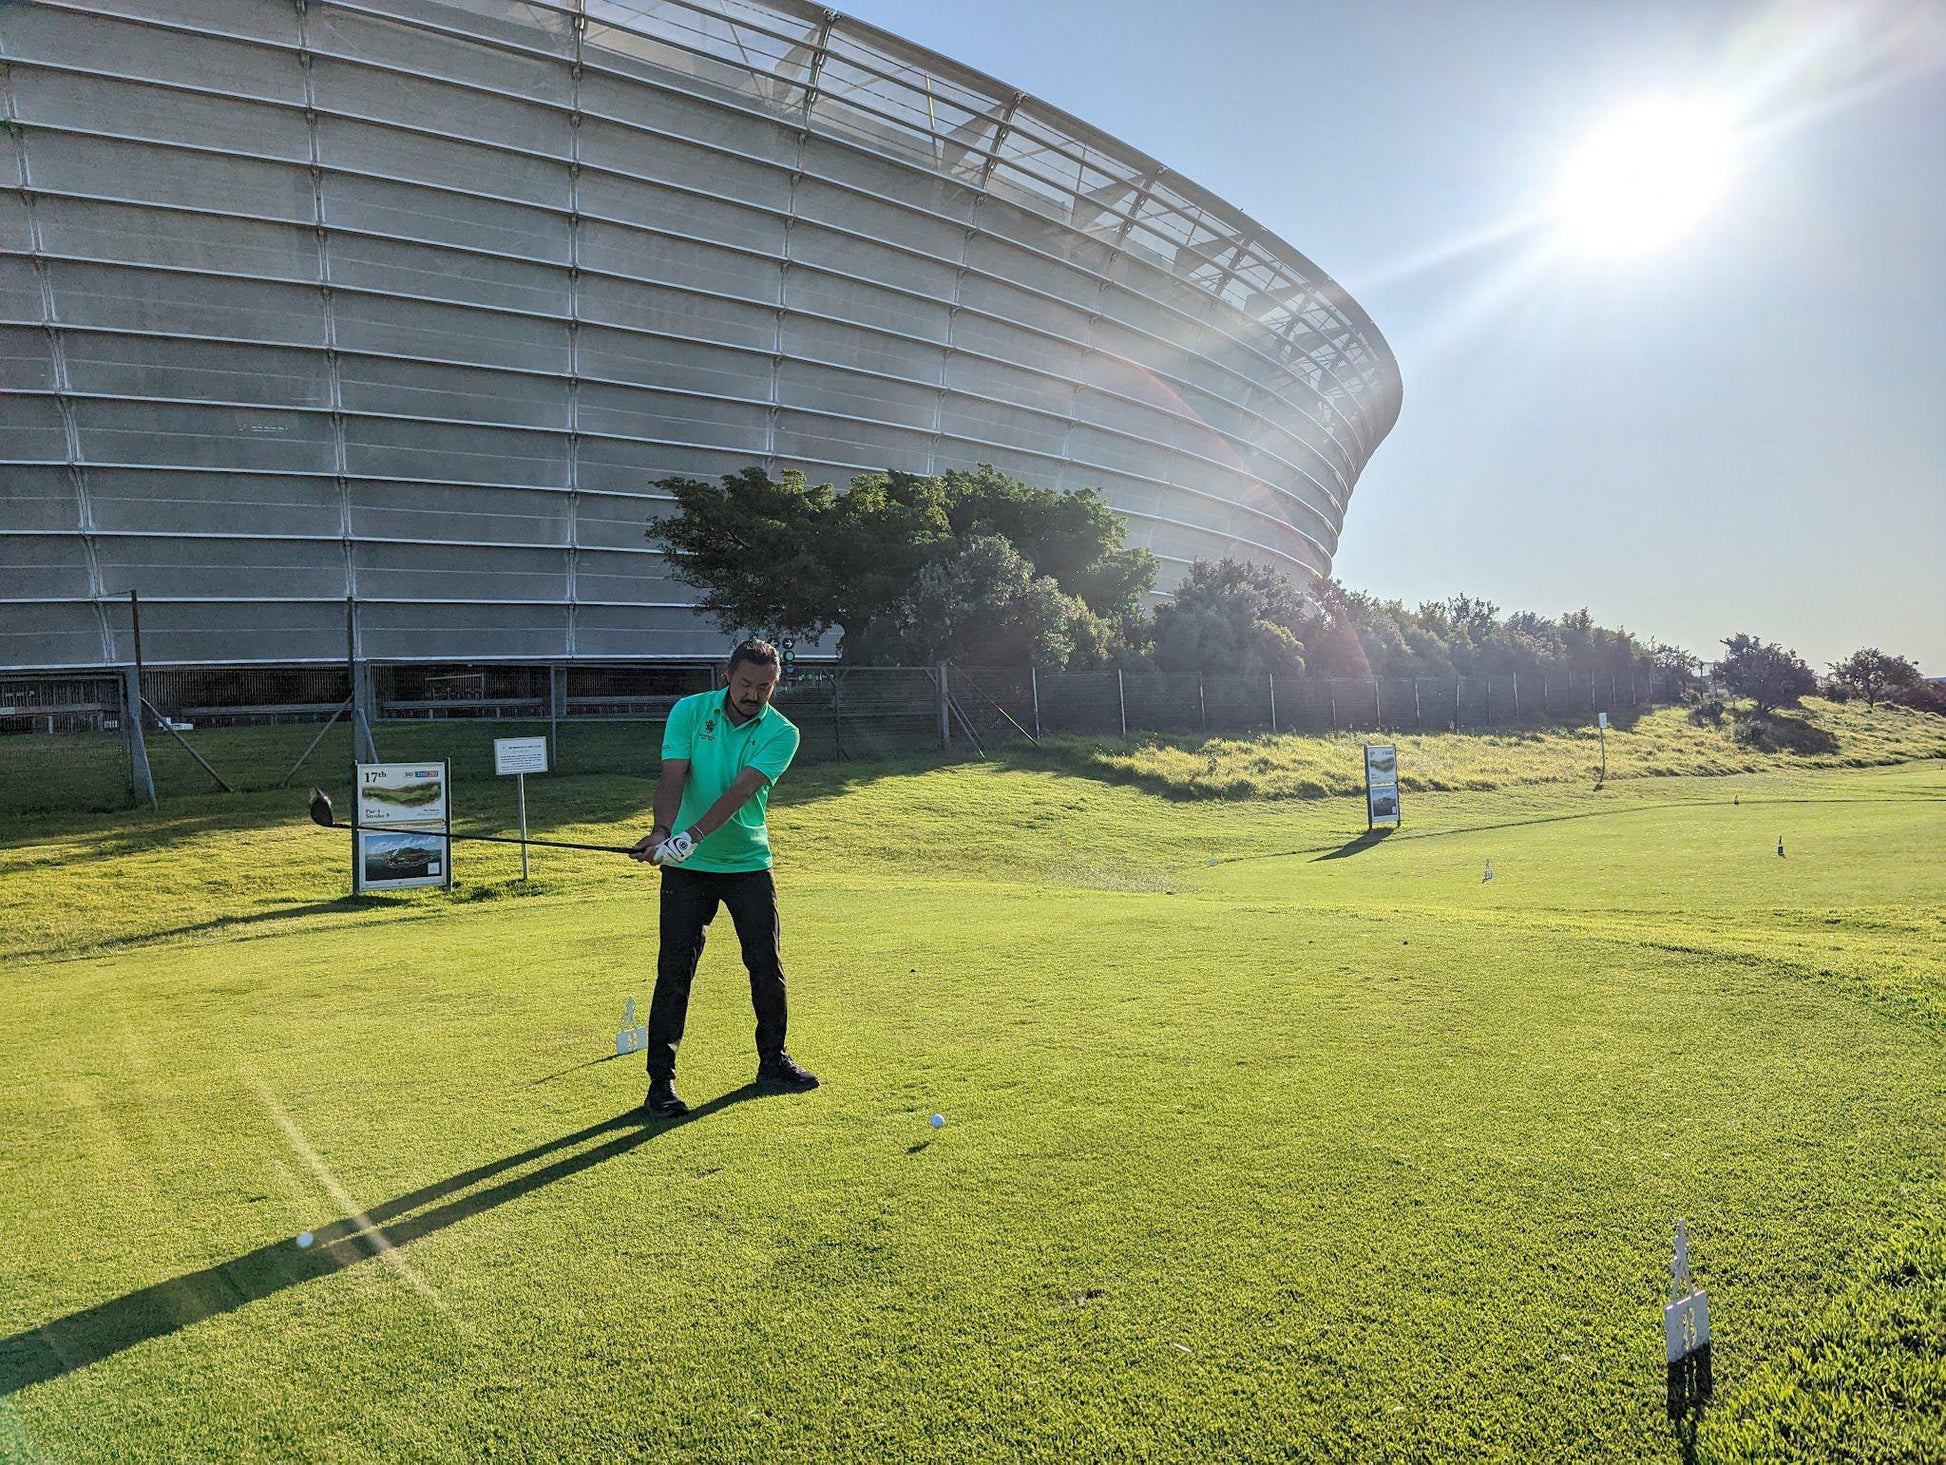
[(604, 849)]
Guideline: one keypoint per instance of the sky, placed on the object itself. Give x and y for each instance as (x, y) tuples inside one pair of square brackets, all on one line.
[(1742, 430)]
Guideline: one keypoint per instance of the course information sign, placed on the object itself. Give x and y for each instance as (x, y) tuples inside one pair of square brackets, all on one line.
[(1381, 785), (401, 793), (519, 755), (404, 817)]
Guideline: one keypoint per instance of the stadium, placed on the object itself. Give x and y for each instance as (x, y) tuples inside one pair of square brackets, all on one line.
[(381, 320)]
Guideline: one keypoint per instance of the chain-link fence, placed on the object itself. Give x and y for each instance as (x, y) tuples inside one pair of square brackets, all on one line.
[(73, 745)]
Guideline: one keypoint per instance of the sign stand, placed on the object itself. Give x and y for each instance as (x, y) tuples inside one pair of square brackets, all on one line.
[(520, 757)]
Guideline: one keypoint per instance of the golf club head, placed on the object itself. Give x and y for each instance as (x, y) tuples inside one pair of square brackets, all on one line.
[(321, 808)]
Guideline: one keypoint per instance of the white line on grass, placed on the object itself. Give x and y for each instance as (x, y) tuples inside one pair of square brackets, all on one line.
[(386, 1251)]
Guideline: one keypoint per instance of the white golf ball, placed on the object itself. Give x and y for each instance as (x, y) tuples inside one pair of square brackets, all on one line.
[(938, 1121), (304, 1238)]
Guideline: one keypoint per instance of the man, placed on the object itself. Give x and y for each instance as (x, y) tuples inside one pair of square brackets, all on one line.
[(721, 753)]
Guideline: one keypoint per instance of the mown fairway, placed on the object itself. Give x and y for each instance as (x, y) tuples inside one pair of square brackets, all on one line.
[(1328, 1149)]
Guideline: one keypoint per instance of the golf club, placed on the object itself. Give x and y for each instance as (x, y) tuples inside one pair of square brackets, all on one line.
[(321, 815)]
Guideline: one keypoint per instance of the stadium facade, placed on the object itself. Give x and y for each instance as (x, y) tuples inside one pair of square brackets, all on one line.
[(391, 313)]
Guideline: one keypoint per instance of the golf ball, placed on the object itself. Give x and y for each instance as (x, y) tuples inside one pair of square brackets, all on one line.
[(938, 1121), (304, 1238)]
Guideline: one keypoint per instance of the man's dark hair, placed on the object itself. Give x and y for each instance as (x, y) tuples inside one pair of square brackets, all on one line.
[(761, 652)]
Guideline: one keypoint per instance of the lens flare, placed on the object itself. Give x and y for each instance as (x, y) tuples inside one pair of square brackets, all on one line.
[(1645, 177)]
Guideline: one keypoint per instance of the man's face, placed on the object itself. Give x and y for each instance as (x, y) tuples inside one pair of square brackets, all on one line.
[(750, 687)]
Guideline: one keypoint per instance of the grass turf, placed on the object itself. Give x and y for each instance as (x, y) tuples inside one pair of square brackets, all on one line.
[(1327, 1149)]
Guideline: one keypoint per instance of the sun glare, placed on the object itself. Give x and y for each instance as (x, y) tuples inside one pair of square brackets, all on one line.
[(1644, 178)]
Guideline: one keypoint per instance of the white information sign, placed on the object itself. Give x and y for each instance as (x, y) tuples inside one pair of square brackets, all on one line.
[(519, 755)]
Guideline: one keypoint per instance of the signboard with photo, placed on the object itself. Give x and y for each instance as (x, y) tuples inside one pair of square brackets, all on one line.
[(1381, 785), (401, 793), (404, 817)]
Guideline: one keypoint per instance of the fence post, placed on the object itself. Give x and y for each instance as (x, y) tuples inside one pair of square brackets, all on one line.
[(1378, 702), (1516, 677), (1121, 700), (141, 779), (1488, 719), (1273, 701), (1459, 686), (1202, 707), (557, 708), (1331, 696), (945, 713), (1418, 717), (1034, 682)]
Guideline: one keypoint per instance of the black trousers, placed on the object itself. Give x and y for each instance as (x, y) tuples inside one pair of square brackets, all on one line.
[(689, 901)]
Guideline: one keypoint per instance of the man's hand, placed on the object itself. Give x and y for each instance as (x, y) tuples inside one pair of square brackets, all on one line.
[(645, 847), (675, 849)]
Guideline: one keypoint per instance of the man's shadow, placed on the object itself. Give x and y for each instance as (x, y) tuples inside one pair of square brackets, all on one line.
[(65, 1344)]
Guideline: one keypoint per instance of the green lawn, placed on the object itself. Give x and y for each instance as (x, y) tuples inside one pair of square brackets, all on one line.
[(1263, 1140)]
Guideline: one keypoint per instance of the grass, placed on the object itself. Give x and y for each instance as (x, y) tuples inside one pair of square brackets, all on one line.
[(1264, 1139)]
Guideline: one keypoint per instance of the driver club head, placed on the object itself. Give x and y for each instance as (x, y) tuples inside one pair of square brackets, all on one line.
[(321, 808)]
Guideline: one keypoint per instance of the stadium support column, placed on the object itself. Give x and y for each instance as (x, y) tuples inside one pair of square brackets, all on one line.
[(359, 674), (557, 708), (141, 778)]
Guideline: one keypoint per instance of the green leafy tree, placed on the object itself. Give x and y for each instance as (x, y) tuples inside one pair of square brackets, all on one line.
[(1231, 617), (881, 563), (1873, 675), (986, 603), (1768, 674)]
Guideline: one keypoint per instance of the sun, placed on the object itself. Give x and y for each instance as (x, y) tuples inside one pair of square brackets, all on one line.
[(1644, 178)]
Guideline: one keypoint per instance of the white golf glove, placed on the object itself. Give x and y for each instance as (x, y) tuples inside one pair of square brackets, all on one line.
[(675, 849)]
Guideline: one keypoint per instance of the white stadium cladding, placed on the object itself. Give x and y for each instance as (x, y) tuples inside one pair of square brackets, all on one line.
[(401, 307)]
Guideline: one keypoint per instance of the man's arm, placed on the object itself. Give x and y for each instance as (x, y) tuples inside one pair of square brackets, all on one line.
[(668, 803), (734, 797)]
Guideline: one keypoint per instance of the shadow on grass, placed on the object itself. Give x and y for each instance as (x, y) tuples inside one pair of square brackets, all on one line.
[(1370, 839), (1779, 732), (67, 1344)]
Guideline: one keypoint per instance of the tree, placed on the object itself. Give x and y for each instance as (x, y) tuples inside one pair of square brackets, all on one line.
[(1231, 616), (1770, 675), (1872, 674), (1677, 668), (985, 603), (883, 563)]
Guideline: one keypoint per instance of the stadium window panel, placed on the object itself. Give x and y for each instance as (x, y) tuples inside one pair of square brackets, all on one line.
[(38, 498), (847, 394), (381, 448), (651, 415), (191, 502), (414, 389), (125, 234), (390, 327), (623, 218), (440, 274), (211, 371), (189, 305), (267, 569), (443, 216), (44, 567), (194, 435), (432, 512)]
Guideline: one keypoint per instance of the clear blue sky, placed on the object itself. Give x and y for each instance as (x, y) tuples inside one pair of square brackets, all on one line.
[(1743, 431)]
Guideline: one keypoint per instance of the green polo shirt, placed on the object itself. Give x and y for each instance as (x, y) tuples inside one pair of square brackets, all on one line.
[(700, 730)]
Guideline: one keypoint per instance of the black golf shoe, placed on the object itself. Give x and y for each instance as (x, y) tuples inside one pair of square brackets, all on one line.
[(663, 1101), (783, 1072)]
